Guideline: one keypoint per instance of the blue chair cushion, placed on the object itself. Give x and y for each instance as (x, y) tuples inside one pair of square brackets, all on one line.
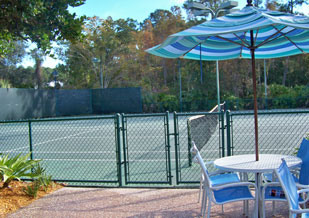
[(221, 179), (305, 215), (232, 194), (276, 193)]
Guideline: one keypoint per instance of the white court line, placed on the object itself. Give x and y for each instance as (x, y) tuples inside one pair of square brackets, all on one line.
[(49, 141), (15, 149), (72, 152), (66, 137), (82, 160)]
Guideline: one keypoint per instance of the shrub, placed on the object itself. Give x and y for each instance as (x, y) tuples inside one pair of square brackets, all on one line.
[(42, 180), (15, 168), (32, 190)]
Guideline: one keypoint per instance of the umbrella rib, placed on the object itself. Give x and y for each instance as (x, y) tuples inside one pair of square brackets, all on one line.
[(256, 34), (237, 43), (240, 39), (284, 34), (269, 38), (263, 43), (194, 47)]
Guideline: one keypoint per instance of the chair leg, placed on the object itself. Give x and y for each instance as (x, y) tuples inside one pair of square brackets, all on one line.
[(263, 209), (203, 201), (256, 207), (201, 186), (208, 210), (273, 209), (222, 208)]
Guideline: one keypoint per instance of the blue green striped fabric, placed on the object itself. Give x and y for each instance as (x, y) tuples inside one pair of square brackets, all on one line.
[(276, 34)]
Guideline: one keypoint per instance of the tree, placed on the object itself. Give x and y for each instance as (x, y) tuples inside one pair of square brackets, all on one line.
[(163, 24), (37, 55), (285, 6), (40, 21), (108, 41), (14, 57)]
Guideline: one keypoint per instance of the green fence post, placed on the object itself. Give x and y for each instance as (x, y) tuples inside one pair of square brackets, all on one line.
[(176, 134), (30, 139), (124, 145), (118, 149), (168, 148), (228, 133), (222, 131)]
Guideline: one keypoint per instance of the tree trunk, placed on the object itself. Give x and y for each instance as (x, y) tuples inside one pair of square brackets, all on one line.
[(285, 70), (38, 72), (164, 72)]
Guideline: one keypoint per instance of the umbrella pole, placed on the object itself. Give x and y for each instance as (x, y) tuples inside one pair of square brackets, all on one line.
[(254, 96)]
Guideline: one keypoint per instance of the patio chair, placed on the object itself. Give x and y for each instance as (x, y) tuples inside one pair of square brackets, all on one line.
[(300, 176), (218, 177), (291, 192), (218, 192)]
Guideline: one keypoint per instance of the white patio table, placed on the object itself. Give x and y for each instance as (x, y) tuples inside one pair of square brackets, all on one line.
[(247, 164)]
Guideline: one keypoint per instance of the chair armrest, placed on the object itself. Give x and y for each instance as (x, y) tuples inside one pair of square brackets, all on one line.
[(300, 211), (234, 184), (303, 190), (209, 162), (271, 184), (300, 186), (307, 195), (218, 172)]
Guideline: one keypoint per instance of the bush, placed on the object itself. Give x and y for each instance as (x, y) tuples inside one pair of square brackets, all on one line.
[(42, 181), (15, 168)]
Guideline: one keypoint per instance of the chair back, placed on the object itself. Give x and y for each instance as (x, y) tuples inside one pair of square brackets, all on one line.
[(198, 158), (303, 153), (288, 185)]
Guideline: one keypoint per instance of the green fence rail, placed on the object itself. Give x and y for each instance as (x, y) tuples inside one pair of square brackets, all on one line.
[(147, 149)]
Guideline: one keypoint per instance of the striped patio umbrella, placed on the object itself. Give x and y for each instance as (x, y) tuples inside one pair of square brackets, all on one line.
[(249, 33)]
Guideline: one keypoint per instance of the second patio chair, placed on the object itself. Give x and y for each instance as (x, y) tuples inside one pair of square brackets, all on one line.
[(291, 192), (301, 180), (222, 193)]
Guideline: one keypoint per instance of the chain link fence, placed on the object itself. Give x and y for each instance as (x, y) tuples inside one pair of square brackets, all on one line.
[(146, 146), (83, 150), (205, 129), (280, 132), (147, 149)]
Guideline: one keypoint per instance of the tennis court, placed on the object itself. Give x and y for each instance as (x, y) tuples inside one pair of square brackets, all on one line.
[(71, 149), (140, 149)]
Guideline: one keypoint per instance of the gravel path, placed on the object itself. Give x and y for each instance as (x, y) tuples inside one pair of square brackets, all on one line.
[(123, 202)]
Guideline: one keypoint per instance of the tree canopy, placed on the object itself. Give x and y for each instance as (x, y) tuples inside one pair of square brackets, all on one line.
[(115, 49), (39, 21)]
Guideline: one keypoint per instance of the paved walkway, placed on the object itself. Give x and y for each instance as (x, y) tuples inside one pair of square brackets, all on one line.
[(123, 202)]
